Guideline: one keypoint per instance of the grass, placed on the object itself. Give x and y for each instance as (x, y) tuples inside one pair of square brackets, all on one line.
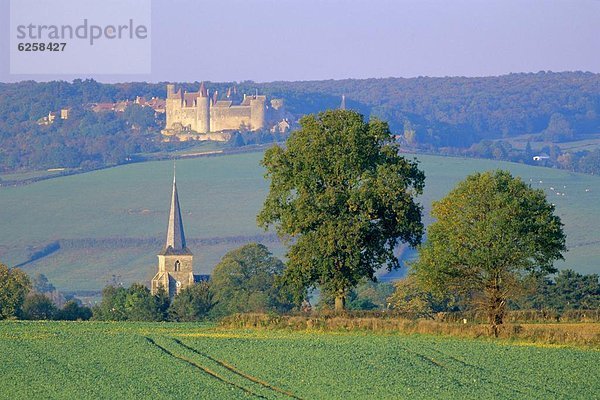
[(96, 360), (220, 197), (200, 147), (581, 334), (21, 176)]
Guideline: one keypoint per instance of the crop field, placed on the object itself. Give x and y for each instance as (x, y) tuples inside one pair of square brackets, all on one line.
[(94, 360), (220, 197)]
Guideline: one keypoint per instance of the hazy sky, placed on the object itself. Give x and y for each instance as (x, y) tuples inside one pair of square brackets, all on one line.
[(266, 40)]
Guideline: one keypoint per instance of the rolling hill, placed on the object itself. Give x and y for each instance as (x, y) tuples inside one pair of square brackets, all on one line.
[(108, 225)]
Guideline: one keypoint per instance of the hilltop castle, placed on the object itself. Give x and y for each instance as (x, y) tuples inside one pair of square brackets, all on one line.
[(200, 113), (175, 269)]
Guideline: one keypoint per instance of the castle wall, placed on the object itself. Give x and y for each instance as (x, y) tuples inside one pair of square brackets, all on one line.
[(187, 117), (176, 114), (224, 118)]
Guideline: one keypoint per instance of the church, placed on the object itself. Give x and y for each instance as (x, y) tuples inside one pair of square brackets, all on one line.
[(175, 261)]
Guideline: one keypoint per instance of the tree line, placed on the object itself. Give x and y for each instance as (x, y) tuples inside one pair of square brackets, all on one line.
[(431, 113), (566, 292), (243, 281), (35, 298)]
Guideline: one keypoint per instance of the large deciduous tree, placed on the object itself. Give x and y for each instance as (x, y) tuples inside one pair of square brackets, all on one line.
[(491, 231), (345, 197)]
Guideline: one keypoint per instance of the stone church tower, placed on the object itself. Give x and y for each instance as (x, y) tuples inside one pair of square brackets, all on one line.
[(175, 260)]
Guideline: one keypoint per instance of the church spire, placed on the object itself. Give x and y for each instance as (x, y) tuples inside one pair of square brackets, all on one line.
[(175, 235), (343, 103)]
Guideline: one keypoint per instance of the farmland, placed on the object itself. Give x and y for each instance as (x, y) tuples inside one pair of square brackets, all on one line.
[(142, 360), (91, 213)]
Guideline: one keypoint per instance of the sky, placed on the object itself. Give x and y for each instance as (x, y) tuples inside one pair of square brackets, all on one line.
[(269, 40)]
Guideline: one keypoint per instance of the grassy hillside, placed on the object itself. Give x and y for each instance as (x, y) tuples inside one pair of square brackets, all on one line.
[(220, 197), (144, 360)]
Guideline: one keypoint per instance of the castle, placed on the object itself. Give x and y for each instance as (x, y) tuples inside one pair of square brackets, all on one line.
[(200, 113), (175, 261)]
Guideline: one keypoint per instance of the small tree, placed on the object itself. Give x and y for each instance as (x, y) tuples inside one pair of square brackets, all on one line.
[(141, 305), (163, 302), (490, 232), (14, 286), (41, 284), (245, 281), (72, 311), (371, 295), (192, 303), (410, 298), (134, 304), (343, 194), (38, 307), (112, 306)]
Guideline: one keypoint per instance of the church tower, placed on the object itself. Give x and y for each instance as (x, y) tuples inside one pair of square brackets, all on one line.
[(175, 260)]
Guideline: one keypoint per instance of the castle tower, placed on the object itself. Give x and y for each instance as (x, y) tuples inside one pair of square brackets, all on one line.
[(170, 91), (175, 270), (203, 110), (257, 112), (172, 106)]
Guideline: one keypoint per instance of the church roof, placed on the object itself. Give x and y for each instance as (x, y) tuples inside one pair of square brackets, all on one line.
[(175, 243)]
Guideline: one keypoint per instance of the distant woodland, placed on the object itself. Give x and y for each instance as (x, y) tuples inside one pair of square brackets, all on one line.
[(457, 115)]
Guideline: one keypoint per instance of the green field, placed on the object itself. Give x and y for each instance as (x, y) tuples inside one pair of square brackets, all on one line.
[(220, 197), (94, 360), (585, 142), (21, 176)]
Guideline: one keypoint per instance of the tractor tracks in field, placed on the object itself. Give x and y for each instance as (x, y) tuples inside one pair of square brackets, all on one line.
[(509, 380), (203, 369), (446, 360), (227, 374), (430, 361), (238, 372), (448, 364)]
